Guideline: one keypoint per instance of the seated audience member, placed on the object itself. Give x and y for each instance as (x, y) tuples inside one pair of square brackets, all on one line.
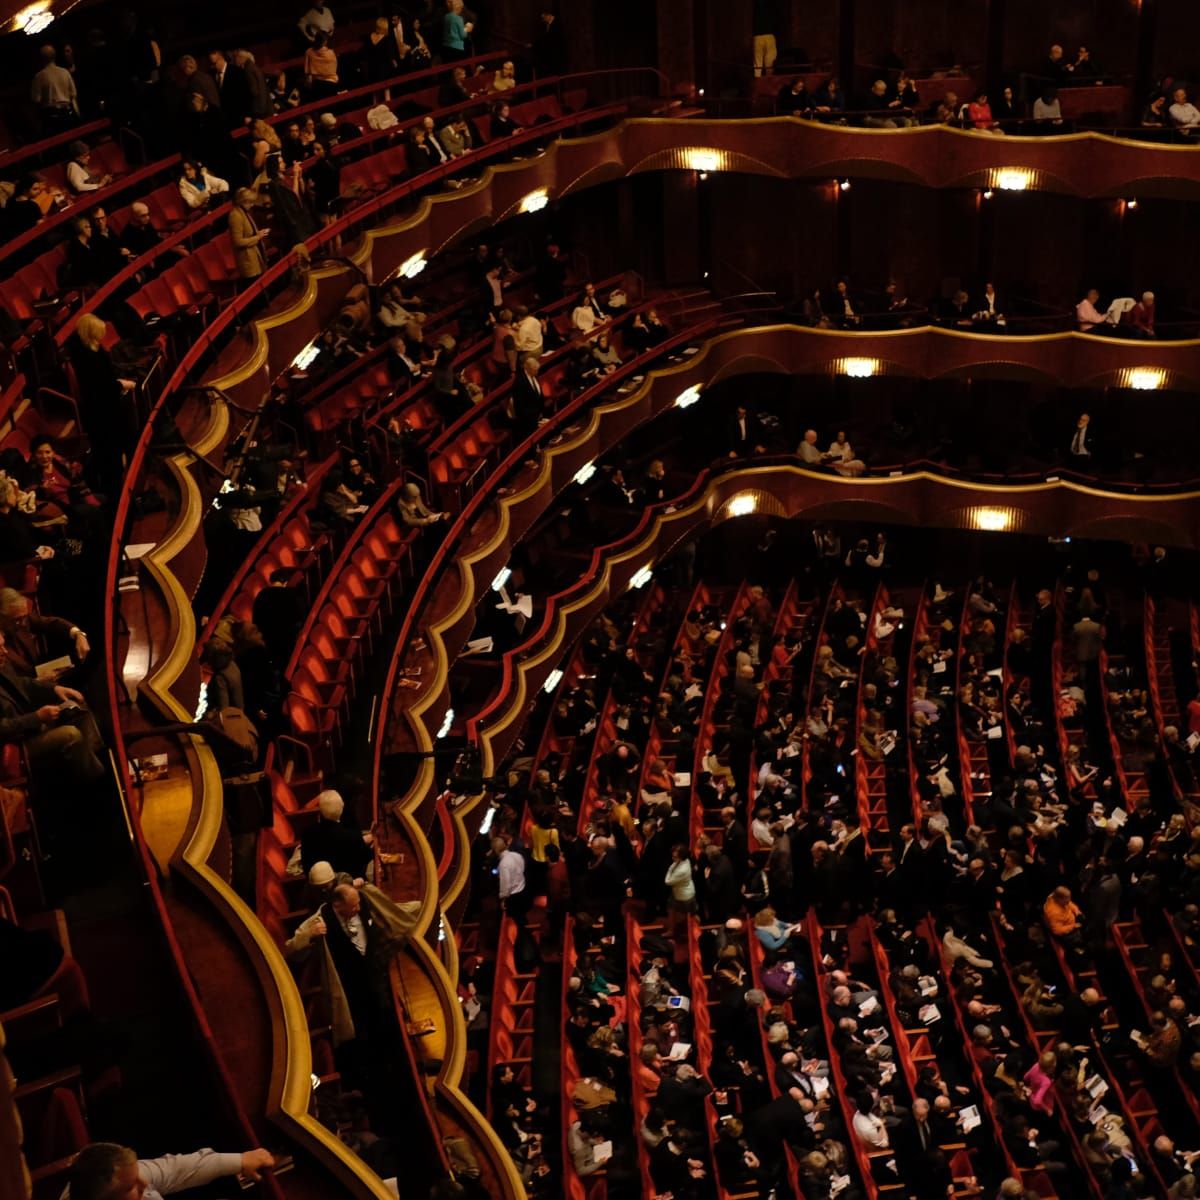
[(50, 721), (1047, 109), (18, 541), (845, 309), (1154, 115), (840, 456), (22, 629), (23, 211), (139, 235), (1141, 316), (418, 153), (945, 111), (980, 117), (505, 79), (456, 137), (79, 178), (1088, 316), (503, 124), (808, 450), (83, 266), (988, 312), (412, 508), (956, 312), (1008, 110), (104, 1169), (198, 187), (795, 100), (109, 254), (884, 111), (1184, 115), (830, 100), (605, 354), (58, 485), (589, 312)]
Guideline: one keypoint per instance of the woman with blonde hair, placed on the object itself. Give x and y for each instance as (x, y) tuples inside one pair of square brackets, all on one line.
[(107, 418)]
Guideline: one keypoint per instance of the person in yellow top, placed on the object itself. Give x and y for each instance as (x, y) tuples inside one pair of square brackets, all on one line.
[(1062, 913), (619, 814)]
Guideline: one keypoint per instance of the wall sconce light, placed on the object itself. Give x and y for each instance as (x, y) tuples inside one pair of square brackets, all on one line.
[(1131, 203), (844, 185), (743, 504), (35, 18), (552, 681), (688, 396), (988, 193), (412, 266), (995, 520), (701, 159), (858, 368), (307, 356), (1013, 179), (1145, 379), (535, 201), (640, 578), (447, 721), (585, 473), (502, 577)]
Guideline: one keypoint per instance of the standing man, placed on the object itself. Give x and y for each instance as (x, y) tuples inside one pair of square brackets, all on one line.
[(766, 27), (54, 94), (510, 868)]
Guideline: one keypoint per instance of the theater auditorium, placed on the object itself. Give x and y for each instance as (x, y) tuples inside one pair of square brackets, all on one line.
[(599, 600)]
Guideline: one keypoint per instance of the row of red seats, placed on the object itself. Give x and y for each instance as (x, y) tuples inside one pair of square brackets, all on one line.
[(719, 680), (870, 775), (330, 655), (53, 1108), (794, 616)]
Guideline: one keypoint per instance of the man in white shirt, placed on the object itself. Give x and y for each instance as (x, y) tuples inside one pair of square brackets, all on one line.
[(510, 868), (809, 451), (53, 92), (318, 19), (1086, 312), (105, 1169), (868, 1127), (1183, 113), (527, 333)]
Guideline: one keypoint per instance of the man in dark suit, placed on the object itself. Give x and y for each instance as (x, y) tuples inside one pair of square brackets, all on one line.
[(745, 435), (348, 927), (25, 631), (344, 849), (528, 398), (722, 896), (58, 733), (549, 45), (232, 87)]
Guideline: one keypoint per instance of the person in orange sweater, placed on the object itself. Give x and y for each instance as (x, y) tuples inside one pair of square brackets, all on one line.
[(1062, 913)]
